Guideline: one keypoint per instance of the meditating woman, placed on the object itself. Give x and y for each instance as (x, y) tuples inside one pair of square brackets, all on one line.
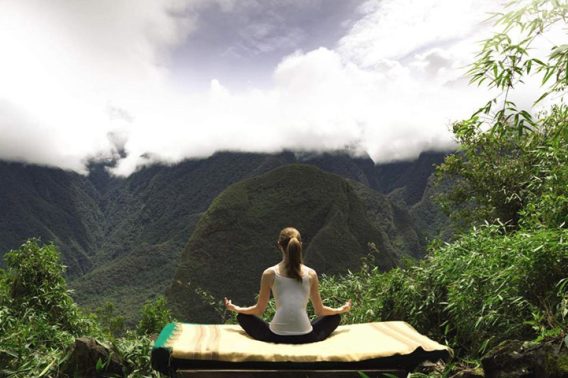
[(292, 284)]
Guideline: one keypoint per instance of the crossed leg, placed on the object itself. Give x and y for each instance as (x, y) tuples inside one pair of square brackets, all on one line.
[(258, 329)]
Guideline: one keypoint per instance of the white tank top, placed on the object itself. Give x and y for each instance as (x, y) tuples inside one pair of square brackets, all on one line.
[(291, 298)]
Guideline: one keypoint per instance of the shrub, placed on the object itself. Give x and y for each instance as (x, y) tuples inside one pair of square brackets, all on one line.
[(39, 320), (110, 322), (154, 316), (475, 292), (134, 351)]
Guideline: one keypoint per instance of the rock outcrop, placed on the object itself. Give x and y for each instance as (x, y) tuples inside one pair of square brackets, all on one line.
[(86, 354)]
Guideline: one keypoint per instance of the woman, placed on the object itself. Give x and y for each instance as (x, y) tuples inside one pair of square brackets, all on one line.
[(292, 284)]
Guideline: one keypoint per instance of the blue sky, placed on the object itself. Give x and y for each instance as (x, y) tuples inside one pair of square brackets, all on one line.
[(241, 43), (170, 80)]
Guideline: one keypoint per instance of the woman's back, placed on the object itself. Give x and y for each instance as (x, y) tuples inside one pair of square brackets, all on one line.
[(292, 284), (291, 297)]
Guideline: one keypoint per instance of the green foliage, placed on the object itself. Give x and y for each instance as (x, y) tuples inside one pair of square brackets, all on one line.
[(475, 292), (111, 322), (506, 278), (507, 176), (39, 320), (35, 278), (135, 351), (505, 61), (547, 191), (512, 164), (154, 316)]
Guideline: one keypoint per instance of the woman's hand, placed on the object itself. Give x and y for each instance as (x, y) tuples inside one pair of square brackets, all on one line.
[(230, 306), (345, 308)]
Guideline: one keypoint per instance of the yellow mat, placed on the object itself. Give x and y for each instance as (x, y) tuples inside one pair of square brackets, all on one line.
[(347, 343)]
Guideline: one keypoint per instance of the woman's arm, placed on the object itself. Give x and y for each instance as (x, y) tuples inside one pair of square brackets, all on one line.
[(315, 297), (266, 282)]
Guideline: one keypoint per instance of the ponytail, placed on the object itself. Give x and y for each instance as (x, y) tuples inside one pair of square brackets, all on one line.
[(294, 261), (290, 240)]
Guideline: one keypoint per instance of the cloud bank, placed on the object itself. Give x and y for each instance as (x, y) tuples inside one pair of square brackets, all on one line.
[(84, 80)]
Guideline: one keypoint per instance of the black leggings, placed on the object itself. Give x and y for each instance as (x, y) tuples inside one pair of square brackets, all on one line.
[(258, 329)]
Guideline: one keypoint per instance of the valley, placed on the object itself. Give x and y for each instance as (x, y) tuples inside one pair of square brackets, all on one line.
[(122, 238)]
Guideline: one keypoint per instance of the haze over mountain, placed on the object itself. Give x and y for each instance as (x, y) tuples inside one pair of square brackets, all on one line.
[(121, 237)]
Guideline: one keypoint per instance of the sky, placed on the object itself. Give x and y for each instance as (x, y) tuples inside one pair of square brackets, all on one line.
[(145, 81)]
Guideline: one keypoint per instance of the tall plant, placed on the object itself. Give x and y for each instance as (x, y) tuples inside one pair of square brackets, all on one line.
[(509, 158)]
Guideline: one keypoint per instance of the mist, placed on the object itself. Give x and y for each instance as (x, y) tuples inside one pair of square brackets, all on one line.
[(101, 80)]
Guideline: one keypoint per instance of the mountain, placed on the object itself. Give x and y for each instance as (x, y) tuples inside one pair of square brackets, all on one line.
[(54, 205), (234, 241), (408, 178), (409, 184), (357, 168), (393, 220), (122, 237), (151, 216), (431, 223)]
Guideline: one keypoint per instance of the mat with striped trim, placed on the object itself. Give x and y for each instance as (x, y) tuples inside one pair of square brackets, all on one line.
[(347, 344)]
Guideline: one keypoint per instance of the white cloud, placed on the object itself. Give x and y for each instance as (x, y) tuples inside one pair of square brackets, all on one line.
[(84, 79), (65, 63), (395, 29)]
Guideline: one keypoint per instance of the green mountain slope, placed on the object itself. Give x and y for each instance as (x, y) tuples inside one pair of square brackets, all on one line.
[(52, 204), (122, 237), (393, 220), (234, 240), (151, 215), (408, 178), (431, 223)]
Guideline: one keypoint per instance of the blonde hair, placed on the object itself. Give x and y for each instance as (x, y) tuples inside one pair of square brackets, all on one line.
[(291, 241)]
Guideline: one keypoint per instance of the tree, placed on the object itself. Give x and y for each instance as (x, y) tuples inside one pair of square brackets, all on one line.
[(38, 318), (511, 164), (36, 285)]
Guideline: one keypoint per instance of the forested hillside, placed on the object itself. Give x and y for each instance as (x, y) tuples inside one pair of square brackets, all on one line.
[(151, 216), (121, 237), (234, 240), (54, 205)]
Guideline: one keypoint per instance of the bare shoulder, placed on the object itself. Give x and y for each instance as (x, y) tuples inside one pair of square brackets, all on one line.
[(313, 277), (311, 272), (269, 272)]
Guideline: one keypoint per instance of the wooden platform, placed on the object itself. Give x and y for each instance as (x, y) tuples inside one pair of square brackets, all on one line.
[(379, 349), (382, 373)]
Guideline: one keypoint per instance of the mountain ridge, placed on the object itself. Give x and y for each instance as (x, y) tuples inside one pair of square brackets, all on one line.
[(145, 219), (243, 222)]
